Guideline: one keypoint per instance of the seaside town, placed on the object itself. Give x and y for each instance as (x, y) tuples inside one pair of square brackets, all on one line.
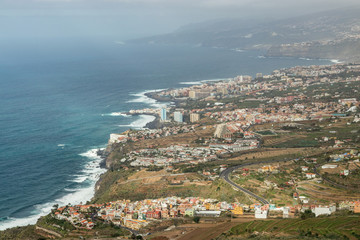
[(218, 123), (137, 215), (180, 120), (280, 146)]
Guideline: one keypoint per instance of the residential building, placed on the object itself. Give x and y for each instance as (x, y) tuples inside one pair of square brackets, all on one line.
[(194, 117), (222, 131), (207, 213), (238, 210), (310, 175), (259, 213), (163, 113), (178, 117), (189, 212), (324, 210)]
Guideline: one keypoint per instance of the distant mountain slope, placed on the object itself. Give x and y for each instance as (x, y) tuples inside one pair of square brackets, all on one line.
[(346, 50), (335, 31)]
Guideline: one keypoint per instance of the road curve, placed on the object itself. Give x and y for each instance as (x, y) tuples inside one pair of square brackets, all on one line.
[(334, 183), (226, 173)]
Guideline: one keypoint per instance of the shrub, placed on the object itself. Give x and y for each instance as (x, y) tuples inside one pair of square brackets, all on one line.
[(196, 219)]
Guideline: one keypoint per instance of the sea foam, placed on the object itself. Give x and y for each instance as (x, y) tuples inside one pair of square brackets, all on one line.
[(116, 114), (203, 81), (142, 98), (335, 61), (141, 122), (89, 175), (191, 83)]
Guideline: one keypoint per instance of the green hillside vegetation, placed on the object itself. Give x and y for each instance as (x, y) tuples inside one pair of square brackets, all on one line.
[(344, 227), (20, 233), (137, 190)]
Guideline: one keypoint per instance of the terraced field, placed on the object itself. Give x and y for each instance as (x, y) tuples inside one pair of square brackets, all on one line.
[(270, 141), (273, 153), (340, 227), (324, 193)]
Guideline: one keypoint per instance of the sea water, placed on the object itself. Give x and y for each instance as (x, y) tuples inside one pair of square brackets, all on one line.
[(60, 101)]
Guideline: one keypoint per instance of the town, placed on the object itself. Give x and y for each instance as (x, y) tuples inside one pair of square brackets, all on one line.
[(279, 146), (137, 215)]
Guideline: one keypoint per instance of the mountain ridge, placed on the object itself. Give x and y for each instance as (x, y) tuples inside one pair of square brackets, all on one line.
[(333, 30)]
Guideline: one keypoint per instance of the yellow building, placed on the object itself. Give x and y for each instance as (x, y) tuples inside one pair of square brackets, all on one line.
[(207, 206), (238, 211)]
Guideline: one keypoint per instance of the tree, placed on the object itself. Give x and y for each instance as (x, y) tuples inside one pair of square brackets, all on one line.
[(307, 214), (196, 219)]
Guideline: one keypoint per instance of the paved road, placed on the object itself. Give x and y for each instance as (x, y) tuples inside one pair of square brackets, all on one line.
[(226, 176), (324, 178)]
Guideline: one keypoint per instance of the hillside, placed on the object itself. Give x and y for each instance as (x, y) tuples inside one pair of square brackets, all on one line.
[(330, 35)]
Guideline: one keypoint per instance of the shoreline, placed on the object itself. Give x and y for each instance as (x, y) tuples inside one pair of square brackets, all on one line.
[(151, 125), (154, 124), (86, 180)]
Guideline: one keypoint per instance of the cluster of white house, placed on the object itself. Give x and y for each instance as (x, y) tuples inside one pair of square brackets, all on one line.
[(149, 134), (138, 214), (170, 155), (244, 85)]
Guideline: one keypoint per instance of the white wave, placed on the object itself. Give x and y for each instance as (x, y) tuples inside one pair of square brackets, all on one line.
[(61, 145), (119, 114), (91, 171), (238, 50), (191, 83), (261, 57), (215, 80), (141, 122), (16, 222), (142, 98), (307, 59), (92, 154), (203, 81), (116, 114), (79, 179), (335, 61), (70, 190)]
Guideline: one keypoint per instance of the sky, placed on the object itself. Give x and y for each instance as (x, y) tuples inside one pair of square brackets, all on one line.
[(125, 19)]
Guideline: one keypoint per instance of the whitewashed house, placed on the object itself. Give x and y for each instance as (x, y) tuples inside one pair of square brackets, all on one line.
[(261, 213)]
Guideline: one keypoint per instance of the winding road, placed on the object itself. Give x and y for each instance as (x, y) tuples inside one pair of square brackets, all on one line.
[(226, 176), (324, 178)]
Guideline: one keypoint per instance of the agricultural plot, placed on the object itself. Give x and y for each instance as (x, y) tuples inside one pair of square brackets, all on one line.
[(278, 154), (344, 227)]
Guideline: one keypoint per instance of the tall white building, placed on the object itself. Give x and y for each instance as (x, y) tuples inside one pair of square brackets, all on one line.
[(163, 114), (178, 117)]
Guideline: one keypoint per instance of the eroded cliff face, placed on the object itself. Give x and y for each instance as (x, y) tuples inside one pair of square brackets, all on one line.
[(346, 50), (112, 155)]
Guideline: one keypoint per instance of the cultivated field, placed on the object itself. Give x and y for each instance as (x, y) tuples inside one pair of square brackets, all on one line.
[(343, 227)]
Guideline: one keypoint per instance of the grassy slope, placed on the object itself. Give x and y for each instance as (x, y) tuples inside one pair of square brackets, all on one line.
[(21, 233)]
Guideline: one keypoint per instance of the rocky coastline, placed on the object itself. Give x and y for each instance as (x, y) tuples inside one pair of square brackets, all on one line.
[(158, 98), (105, 153)]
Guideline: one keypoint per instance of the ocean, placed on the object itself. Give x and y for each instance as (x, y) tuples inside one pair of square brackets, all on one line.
[(60, 102)]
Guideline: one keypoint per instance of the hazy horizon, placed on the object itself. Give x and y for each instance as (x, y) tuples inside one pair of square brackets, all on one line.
[(119, 20)]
